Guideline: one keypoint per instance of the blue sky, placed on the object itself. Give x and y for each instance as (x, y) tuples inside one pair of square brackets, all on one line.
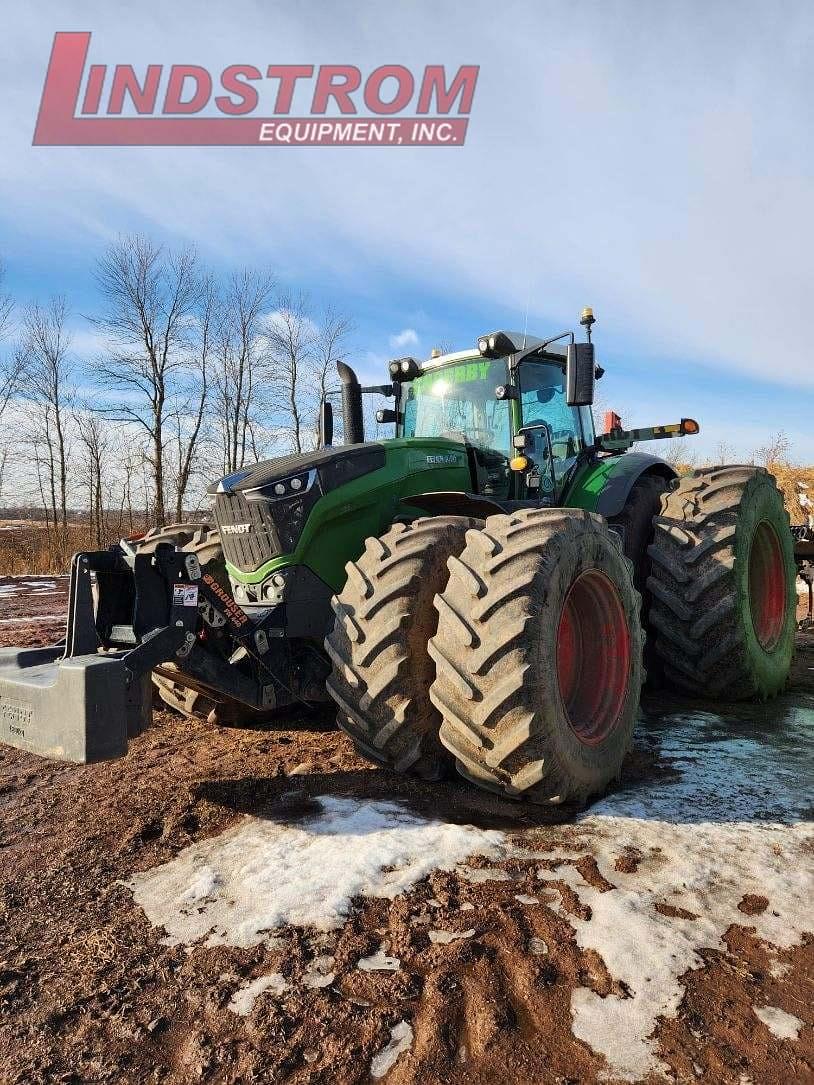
[(654, 161)]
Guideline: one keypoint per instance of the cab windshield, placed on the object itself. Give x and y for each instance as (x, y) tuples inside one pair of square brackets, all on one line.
[(458, 401)]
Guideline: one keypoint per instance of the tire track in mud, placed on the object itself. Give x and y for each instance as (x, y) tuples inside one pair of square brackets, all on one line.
[(88, 988)]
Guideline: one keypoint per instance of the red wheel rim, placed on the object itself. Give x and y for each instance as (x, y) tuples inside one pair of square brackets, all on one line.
[(593, 657), (767, 585)]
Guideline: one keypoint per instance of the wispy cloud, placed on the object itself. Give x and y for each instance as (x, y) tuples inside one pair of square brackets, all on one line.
[(645, 159), (408, 337)]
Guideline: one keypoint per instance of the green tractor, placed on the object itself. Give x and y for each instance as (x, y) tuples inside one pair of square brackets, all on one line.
[(472, 593)]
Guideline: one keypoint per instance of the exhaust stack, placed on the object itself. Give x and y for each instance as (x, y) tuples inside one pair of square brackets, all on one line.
[(351, 405)]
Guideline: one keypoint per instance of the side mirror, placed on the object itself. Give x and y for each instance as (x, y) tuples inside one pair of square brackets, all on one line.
[(326, 424), (386, 415), (579, 374)]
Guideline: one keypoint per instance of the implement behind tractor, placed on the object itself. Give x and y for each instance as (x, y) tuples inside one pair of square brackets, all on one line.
[(471, 594)]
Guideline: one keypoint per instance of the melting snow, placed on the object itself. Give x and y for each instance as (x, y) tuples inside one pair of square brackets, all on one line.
[(443, 938), (401, 1039), (785, 1026), (261, 874), (379, 962), (320, 972), (244, 998), (731, 823)]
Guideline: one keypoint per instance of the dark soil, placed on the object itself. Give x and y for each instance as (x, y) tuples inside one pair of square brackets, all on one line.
[(89, 993)]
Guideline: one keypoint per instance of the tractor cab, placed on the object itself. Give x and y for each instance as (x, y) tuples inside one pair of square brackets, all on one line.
[(498, 408)]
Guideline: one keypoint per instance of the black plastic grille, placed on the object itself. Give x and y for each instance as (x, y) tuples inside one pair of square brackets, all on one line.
[(275, 525), (246, 551)]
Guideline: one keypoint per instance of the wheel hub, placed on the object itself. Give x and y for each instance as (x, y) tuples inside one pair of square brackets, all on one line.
[(767, 585), (593, 656)]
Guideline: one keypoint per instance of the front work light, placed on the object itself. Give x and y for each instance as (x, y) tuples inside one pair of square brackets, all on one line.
[(496, 345), (404, 369)]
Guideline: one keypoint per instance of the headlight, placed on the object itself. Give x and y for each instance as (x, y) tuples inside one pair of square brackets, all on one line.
[(284, 487)]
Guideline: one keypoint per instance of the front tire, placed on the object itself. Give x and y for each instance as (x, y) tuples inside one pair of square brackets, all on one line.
[(723, 585), (539, 656), (378, 647)]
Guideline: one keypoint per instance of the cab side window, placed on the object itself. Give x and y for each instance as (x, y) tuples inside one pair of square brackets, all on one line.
[(542, 399)]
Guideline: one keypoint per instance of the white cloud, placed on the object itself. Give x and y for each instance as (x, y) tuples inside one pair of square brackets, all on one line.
[(406, 338), (647, 160)]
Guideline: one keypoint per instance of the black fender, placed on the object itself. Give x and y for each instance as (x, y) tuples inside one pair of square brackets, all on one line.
[(626, 472), (453, 503)]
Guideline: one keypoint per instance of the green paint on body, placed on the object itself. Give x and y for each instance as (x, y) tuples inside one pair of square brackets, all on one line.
[(589, 483), (335, 532)]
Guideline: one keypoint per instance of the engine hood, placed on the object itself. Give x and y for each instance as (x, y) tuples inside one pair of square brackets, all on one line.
[(335, 466)]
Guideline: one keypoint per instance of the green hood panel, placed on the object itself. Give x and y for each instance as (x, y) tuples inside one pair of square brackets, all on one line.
[(345, 516)]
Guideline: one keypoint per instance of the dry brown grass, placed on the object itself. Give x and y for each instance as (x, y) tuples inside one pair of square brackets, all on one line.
[(28, 547), (788, 476)]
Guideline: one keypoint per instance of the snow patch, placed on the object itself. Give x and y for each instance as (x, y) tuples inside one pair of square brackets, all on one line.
[(33, 619), (320, 972), (728, 820), (785, 1026), (379, 962), (401, 1039), (260, 874), (243, 1000), (443, 938)]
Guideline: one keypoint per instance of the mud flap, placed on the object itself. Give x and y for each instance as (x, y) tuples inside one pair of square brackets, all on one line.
[(78, 709)]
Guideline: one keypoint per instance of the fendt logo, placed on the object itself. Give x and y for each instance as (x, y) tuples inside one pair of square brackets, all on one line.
[(236, 529), (93, 104)]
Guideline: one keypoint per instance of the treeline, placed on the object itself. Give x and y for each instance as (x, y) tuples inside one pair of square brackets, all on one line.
[(795, 481), (190, 376)]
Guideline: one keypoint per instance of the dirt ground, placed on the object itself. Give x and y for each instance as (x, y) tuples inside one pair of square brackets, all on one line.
[(90, 991)]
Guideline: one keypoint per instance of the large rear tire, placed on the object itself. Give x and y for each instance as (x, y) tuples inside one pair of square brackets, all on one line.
[(636, 524), (378, 647), (723, 585), (539, 656)]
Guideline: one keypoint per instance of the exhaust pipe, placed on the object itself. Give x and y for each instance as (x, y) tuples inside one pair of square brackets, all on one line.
[(351, 405), (326, 424)]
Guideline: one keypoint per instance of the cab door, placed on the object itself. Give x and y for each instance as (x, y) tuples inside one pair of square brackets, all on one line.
[(542, 400)]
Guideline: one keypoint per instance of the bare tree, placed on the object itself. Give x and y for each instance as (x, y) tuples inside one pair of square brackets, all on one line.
[(724, 452), (775, 452), (241, 362), (290, 339), (10, 364), (95, 438), (190, 407), (151, 299), (48, 376), (328, 347), (679, 454)]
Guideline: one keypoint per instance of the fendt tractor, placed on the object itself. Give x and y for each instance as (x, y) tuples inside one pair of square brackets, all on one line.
[(471, 593)]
